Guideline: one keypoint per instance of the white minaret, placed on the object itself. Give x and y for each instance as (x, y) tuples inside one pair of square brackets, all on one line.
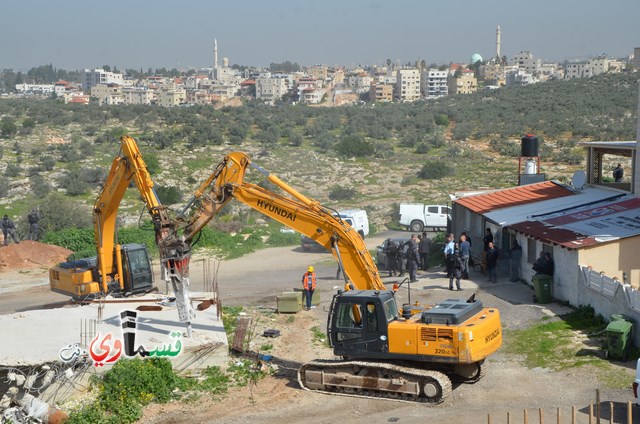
[(498, 41), (215, 53)]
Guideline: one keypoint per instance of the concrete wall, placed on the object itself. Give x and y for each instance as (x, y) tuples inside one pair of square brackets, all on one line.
[(608, 296), (615, 258)]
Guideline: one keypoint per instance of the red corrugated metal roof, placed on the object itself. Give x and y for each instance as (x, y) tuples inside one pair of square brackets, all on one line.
[(550, 234), (521, 195)]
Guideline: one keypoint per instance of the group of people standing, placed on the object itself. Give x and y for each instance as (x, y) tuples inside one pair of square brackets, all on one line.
[(8, 227), (413, 254), (457, 255), (410, 256)]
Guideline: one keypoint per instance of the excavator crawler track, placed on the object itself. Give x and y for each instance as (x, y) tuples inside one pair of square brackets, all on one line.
[(380, 380)]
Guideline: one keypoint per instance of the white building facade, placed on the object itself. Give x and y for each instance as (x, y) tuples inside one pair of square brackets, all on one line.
[(407, 84), (93, 77)]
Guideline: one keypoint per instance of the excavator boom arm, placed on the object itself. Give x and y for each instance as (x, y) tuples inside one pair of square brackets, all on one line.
[(299, 212), (128, 165)]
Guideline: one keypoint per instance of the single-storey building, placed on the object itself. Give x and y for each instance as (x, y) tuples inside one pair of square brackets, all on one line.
[(591, 228)]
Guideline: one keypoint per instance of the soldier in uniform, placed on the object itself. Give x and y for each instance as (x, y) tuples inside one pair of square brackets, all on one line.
[(8, 229), (33, 218)]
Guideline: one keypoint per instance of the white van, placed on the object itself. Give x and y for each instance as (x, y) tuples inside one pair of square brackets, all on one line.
[(357, 218), (417, 216)]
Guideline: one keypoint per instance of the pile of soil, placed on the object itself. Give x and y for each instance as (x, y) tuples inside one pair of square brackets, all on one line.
[(31, 254)]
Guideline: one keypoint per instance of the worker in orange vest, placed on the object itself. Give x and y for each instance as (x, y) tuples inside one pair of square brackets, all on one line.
[(309, 284)]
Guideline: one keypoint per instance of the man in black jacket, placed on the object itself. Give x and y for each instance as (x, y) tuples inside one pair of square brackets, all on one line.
[(8, 229)]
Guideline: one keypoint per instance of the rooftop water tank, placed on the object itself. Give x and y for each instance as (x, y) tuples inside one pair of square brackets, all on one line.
[(529, 146)]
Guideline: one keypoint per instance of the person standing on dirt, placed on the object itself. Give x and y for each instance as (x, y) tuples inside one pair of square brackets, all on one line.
[(492, 262), (8, 229), (401, 257), (33, 218), (516, 257), (390, 251), (465, 254), (457, 265), (449, 249), (424, 247), (413, 258), (309, 285)]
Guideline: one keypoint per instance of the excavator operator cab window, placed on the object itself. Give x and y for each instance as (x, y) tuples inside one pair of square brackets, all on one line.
[(390, 310), (372, 318), (349, 315), (138, 262)]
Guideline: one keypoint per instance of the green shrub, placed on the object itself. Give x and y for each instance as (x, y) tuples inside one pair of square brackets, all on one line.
[(169, 195), (81, 240), (342, 193), (354, 146), (127, 387), (433, 170), (76, 239), (75, 183)]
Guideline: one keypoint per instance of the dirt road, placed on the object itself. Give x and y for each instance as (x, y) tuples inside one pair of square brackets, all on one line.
[(508, 387)]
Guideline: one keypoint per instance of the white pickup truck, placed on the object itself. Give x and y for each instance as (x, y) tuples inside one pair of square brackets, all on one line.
[(418, 216)]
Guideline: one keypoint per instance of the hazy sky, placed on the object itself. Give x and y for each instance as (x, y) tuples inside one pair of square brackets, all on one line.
[(75, 34)]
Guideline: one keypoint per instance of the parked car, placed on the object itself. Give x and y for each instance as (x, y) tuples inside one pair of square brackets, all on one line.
[(381, 255), (309, 244), (418, 216)]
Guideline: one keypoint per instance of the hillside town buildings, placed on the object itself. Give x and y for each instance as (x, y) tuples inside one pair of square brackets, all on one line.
[(320, 83)]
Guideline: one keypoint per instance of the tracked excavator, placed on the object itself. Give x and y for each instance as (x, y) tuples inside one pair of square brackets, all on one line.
[(384, 351), (123, 269)]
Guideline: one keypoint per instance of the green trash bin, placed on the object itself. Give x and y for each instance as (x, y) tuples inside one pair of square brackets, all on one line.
[(542, 288), (618, 334)]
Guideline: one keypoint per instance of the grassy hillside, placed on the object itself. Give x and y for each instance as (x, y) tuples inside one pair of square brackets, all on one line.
[(371, 156)]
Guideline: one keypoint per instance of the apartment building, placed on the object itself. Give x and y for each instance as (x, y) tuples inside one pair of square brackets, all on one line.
[(200, 97), (526, 62), (434, 83), (93, 77), (170, 96), (381, 92), (466, 83), (577, 70), (311, 95), (492, 72), (107, 94), (30, 89), (270, 88), (519, 77), (138, 96), (407, 84), (360, 82)]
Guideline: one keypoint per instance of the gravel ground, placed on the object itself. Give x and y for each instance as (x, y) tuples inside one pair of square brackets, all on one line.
[(509, 386)]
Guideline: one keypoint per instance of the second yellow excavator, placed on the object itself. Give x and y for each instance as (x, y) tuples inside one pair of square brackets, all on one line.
[(383, 353)]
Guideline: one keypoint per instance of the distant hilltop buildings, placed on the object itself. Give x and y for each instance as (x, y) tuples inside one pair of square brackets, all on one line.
[(317, 84)]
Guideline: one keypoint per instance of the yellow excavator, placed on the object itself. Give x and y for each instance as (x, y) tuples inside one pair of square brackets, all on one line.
[(117, 268), (385, 351), (409, 356)]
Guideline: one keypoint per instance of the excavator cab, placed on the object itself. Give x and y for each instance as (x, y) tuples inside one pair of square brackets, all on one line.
[(136, 267), (80, 278), (358, 322)]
